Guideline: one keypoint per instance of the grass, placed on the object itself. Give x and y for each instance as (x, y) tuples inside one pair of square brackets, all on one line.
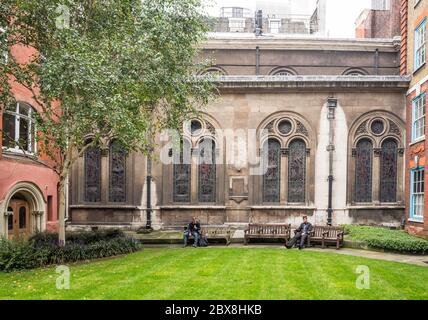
[(222, 273), (382, 238)]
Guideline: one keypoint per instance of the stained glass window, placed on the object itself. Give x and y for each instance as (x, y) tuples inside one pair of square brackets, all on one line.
[(378, 127), (297, 172), (207, 171), (117, 183), (388, 171), (363, 171), (285, 127), (271, 178), (181, 174), (93, 174)]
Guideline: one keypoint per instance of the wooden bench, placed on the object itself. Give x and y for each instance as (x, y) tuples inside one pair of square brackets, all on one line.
[(216, 232), (326, 235), (267, 231)]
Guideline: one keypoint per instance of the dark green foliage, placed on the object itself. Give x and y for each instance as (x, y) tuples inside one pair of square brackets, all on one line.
[(81, 237), (387, 239), (42, 249)]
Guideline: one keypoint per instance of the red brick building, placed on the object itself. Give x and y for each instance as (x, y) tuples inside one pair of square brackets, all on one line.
[(381, 21), (413, 25), (28, 185)]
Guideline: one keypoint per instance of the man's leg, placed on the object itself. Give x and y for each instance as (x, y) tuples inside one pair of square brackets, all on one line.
[(196, 237), (303, 240), (185, 238), (293, 241)]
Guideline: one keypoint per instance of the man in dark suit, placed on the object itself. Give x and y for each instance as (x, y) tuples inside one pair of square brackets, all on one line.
[(301, 234), (193, 229)]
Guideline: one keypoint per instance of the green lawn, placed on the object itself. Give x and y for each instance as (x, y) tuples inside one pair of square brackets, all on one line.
[(222, 273)]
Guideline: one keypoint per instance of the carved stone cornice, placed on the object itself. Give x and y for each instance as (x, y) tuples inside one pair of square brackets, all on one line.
[(311, 82)]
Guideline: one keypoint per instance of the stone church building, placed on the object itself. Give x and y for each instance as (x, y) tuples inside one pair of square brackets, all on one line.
[(323, 118)]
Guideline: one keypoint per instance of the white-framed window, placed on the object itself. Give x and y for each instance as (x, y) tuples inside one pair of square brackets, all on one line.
[(236, 24), (18, 134), (237, 12), (420, 42), (417, 194), (274, 25), (418, 117), (380, 4)]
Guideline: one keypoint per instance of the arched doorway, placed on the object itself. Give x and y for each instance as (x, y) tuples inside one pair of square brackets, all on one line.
[(18, 222), (24, 211)]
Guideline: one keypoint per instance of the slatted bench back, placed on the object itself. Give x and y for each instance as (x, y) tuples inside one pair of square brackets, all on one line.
[(268, 229), (216, 231), (333, 232), (318, 232)]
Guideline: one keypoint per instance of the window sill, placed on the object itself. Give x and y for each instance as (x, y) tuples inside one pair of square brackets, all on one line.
[(282, 207), (190, 207), (418, 140), (102, 206), (375, 207), (419, 68), (19, 152), (415, 220)]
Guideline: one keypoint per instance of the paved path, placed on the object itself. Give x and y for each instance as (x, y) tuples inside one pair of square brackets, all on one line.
[(403, 258)]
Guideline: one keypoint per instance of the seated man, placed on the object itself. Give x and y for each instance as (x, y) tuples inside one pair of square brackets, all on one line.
[(193, 229), (301, 234)]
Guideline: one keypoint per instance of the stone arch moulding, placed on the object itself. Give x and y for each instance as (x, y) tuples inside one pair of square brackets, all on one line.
[(36, 201), (300, 128), (213, 69), (394, 127), (282, 69), (355, 71)]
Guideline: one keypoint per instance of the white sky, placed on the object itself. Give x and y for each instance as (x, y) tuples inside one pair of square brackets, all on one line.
[(341, 14)]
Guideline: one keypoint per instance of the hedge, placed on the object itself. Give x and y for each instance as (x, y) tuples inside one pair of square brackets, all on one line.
[(42, 249), (387, 239)]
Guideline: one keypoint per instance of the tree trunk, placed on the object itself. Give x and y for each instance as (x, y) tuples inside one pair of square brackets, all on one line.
[(61, 213)]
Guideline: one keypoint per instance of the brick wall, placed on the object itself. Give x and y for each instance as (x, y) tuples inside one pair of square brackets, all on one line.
[(403, 32), (417, 149), (380, 23)]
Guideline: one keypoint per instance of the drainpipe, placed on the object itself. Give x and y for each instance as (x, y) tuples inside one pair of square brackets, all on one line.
[(149, 191), (332, 104), (257, 60), (376, 62)]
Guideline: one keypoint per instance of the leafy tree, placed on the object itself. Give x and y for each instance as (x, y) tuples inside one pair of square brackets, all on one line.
[(103, 69)]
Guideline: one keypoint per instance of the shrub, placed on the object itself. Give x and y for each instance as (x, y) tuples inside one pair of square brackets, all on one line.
[(42, 249), (383, 238), (82, 237)]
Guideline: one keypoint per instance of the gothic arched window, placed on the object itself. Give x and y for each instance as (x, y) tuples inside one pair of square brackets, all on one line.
[(207, 171), (363, 171), (297, 171), (181, 173), (388, 171), (117, 176), (271, 178), (93, 174)]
